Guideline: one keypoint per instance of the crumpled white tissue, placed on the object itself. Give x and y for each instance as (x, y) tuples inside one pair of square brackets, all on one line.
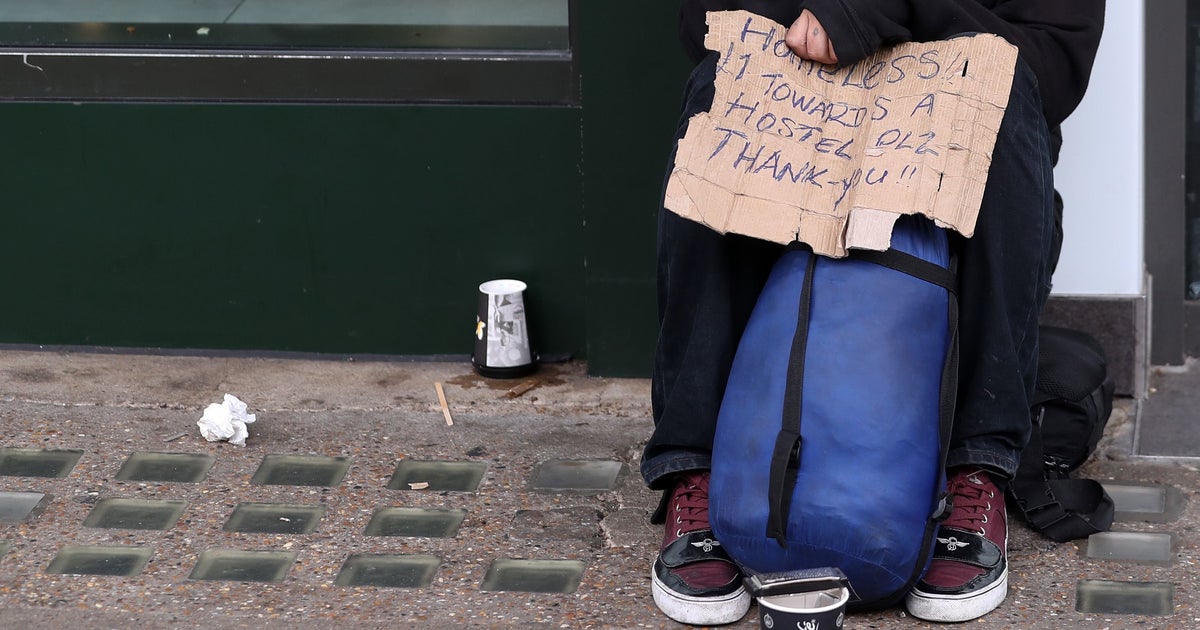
[(226, 421)]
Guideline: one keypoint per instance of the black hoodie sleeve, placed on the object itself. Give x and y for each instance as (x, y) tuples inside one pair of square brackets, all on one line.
[(1057, 38)]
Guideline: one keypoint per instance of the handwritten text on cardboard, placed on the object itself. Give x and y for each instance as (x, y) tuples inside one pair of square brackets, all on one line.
[(794, 150)]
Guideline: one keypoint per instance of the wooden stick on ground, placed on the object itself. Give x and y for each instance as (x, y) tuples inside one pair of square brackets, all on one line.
[(445, 407), (521, 388)]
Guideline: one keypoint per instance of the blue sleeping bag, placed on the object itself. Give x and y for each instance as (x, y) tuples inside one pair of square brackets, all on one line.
[(830, 444)]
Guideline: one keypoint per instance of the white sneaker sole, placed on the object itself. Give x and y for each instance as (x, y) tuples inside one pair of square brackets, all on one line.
[(956, 608), (700, 611)]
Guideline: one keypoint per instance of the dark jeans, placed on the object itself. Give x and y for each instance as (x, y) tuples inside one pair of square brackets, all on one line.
[(708, 284)]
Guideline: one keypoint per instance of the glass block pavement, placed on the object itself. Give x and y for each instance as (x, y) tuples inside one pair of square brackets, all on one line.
[(1150, 503), (1139, 547), (573, 475), (1134, 598), (32, 462), (534, 576), (415, 522), (401, 570), (254, 553), (168, 467), (134, 514), (437, 476), (274, 518), (100, 560), (243, 566), (16, 507), (398, 571), (301, 470)]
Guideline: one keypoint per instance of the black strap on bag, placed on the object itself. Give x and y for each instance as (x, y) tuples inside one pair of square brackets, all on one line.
[(785, 460), (1059, 507), (1072, 405)]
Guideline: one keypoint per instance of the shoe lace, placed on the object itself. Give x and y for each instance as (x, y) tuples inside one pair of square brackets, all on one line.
[(691, 504), (972, 498)]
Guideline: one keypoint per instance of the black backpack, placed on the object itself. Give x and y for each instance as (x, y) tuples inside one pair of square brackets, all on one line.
[(1071, 406)]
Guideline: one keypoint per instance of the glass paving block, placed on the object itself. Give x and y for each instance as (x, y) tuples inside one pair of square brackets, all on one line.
[(170, 467), (437, 476), (399, 571), (567, 474), (274, 518), (135, 514), (36, 462), (243, 566), (97, 560), (16, 507), (534, 576), (1144, 548), (1125, 598), (415, 522), (1138, 498), (1148, 503), (301, 470)]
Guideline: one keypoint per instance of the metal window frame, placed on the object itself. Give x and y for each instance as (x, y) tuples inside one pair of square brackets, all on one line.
[(425, 67), (1165, 194)]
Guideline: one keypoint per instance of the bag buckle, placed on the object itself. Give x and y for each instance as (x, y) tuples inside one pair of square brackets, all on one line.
[(1055, 468)]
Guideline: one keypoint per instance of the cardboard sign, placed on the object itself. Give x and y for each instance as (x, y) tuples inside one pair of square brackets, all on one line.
[(794, 150)]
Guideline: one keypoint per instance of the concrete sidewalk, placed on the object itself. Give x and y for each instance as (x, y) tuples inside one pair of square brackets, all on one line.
[(590, 538)]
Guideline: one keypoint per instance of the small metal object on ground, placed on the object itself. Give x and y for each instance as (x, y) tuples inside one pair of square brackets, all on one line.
[(807, 598)]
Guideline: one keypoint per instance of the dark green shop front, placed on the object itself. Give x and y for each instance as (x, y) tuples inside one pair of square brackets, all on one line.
[(350, 209)]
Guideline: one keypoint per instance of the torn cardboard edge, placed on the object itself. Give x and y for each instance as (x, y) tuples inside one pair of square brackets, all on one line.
[(793, 150)]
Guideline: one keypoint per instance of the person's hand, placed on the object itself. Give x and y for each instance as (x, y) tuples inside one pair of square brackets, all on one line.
[(808, 39)]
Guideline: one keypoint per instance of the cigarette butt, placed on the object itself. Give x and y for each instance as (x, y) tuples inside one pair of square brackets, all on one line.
[(419, 485), (522, 388), (175, 437), (445, 407)]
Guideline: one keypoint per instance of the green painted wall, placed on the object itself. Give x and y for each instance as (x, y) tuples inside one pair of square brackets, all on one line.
[(324, 229), (633, 76), (344, 229)]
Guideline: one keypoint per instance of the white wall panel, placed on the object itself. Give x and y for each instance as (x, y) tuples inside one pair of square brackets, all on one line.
[(1100, 172)]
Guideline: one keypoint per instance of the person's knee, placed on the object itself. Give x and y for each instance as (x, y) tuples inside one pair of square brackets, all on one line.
[(1024, 124), (1025, 82)]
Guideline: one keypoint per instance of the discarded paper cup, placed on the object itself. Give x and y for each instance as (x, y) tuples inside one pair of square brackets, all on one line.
[(502, 348), (825, 608)]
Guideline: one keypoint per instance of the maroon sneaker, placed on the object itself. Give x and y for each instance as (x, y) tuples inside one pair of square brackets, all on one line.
[(968, 576), (695, 582)]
